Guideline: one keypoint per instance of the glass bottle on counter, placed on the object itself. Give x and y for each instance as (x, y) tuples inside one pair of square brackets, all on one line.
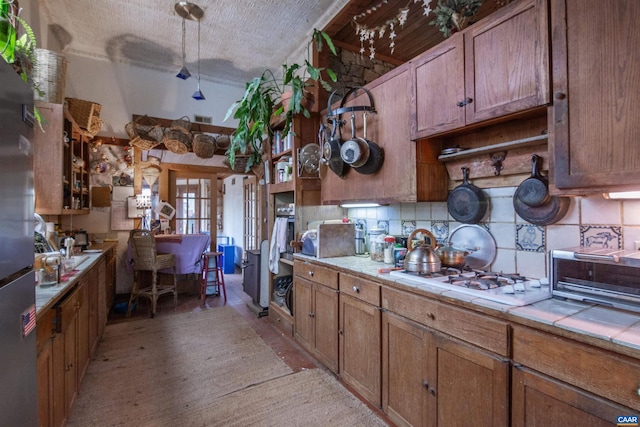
[(389, 246), (376, 244)]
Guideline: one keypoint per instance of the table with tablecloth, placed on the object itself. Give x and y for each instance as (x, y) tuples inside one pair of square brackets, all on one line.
[(188, 249)]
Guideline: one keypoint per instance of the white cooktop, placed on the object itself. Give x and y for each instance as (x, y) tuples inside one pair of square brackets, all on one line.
[(518, 294)]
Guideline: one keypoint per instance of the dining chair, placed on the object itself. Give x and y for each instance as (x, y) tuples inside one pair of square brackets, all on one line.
[(145, 258)]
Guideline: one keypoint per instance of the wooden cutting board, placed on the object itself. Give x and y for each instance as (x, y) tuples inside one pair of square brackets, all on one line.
[(336, 240)]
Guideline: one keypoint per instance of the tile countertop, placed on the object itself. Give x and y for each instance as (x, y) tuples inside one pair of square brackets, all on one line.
[(47, 297), (596, 324)]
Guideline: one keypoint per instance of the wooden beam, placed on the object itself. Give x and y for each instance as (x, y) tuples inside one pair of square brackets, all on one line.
[(198, 127)]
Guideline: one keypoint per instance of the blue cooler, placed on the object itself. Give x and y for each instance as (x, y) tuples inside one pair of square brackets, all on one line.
[(228, 255)]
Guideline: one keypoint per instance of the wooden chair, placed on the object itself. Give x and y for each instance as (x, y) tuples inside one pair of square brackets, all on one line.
[(145, 258)]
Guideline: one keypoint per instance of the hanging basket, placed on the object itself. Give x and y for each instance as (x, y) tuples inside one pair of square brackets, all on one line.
[(204, 145), (182, 124), (177, 141), (50, 76), (240, 164), (144, 133)]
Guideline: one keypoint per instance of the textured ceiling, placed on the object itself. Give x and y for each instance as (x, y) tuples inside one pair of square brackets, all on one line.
[(238, 38)]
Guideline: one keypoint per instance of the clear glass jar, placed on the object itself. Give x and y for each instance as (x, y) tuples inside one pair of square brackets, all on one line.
[(376, 244)]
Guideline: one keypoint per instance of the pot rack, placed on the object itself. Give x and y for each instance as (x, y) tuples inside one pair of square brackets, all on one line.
[(336, 114), (497, 152)]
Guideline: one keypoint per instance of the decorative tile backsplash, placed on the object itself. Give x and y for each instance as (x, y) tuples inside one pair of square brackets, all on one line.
[(521, 247)]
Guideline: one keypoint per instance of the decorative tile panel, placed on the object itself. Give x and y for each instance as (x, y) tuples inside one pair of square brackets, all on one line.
[(440, 230), (530, 238), (601, 236), (408, 226), (384, 224)]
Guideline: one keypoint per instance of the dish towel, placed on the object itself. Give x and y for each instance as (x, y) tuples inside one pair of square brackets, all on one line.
[(278, 243)]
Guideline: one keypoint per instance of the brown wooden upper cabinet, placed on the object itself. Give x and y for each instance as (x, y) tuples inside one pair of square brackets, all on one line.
[(594, 121), (497, 67)]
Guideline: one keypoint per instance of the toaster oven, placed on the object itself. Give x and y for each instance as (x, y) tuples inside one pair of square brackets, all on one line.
[(609, 277)]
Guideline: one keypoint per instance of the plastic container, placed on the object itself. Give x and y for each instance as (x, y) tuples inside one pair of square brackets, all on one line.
[(389, 246)]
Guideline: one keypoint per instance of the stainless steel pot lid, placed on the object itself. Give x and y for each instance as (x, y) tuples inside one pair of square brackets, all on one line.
[(478, 241)]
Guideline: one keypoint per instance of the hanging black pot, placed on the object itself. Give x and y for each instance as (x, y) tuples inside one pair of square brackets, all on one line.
[(546, 214), (534, 191), (331, 151), (467, 203)]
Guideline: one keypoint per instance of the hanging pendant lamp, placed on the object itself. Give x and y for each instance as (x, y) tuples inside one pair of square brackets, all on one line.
[(183, 74), (192, 12), (198, 95)]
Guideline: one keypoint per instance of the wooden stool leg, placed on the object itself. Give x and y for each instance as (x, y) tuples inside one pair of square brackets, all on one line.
[(134, 292), (220, 277)]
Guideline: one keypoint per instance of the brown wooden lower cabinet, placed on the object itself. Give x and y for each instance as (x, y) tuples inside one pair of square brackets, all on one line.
[(360, 361), (539, 400), (67, 337), (430, 379), (315, 310)]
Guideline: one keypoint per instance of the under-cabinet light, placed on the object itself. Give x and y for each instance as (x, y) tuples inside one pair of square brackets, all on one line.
[(621, 195), (360, 205)]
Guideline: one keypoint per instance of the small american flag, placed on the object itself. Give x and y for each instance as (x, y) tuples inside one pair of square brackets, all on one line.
[(29, 320)]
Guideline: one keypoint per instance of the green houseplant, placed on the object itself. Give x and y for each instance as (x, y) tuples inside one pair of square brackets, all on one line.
[(454, 15), (263, 99)]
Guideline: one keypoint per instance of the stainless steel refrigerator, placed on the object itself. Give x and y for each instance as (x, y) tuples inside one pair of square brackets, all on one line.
[(18, 372)]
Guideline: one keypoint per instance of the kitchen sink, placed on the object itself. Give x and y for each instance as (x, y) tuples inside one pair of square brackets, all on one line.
[(79, 259)]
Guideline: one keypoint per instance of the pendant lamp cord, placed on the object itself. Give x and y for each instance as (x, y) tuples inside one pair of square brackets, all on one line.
[(198, 54), (184, 55)]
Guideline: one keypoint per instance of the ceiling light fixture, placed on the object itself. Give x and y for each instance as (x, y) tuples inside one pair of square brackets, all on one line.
[(192, 12), (183, 74), (198, 95)]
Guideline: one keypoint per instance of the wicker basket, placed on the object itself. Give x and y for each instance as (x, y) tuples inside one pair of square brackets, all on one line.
[(223, 142), (204, 145), (83, 111), (96, 125), (240, 165), (50, 76), (177, 141), (182, 124), (144, 133)]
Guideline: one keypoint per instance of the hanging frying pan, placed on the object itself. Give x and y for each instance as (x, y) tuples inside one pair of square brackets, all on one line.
[(331, 151), (547, 213), (534, 191), (376, 154), (467, 203), (355, 151)]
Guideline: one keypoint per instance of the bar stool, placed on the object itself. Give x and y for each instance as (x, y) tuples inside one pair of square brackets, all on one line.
[(218, 279)]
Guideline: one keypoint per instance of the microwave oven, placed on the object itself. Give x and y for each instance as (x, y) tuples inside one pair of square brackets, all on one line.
[(603, 276)]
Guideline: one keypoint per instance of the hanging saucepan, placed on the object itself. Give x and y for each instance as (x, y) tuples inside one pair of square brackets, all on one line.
[(534, 191), (547, 213), (376, 154), (467, 203), (422, 256), (355, 151), (331, 151)]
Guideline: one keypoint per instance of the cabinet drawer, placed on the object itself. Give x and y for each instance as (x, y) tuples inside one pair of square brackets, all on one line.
[(474, 328), (316, 273), (45, 328), (601, 372), (361, 289), (282, 321)]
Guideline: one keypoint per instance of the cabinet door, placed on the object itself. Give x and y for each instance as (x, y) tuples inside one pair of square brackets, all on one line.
[(405, 375), (70, 337), (303, 313), (45, 385), (507, 61), (102, 290), (438, 87), (472, 386), (595, 63), (59, 378), (542, 401), (84, 332), (325, 316), (360, 341)]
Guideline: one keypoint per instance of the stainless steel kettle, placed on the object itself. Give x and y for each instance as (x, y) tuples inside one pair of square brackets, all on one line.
[(422, 256)]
